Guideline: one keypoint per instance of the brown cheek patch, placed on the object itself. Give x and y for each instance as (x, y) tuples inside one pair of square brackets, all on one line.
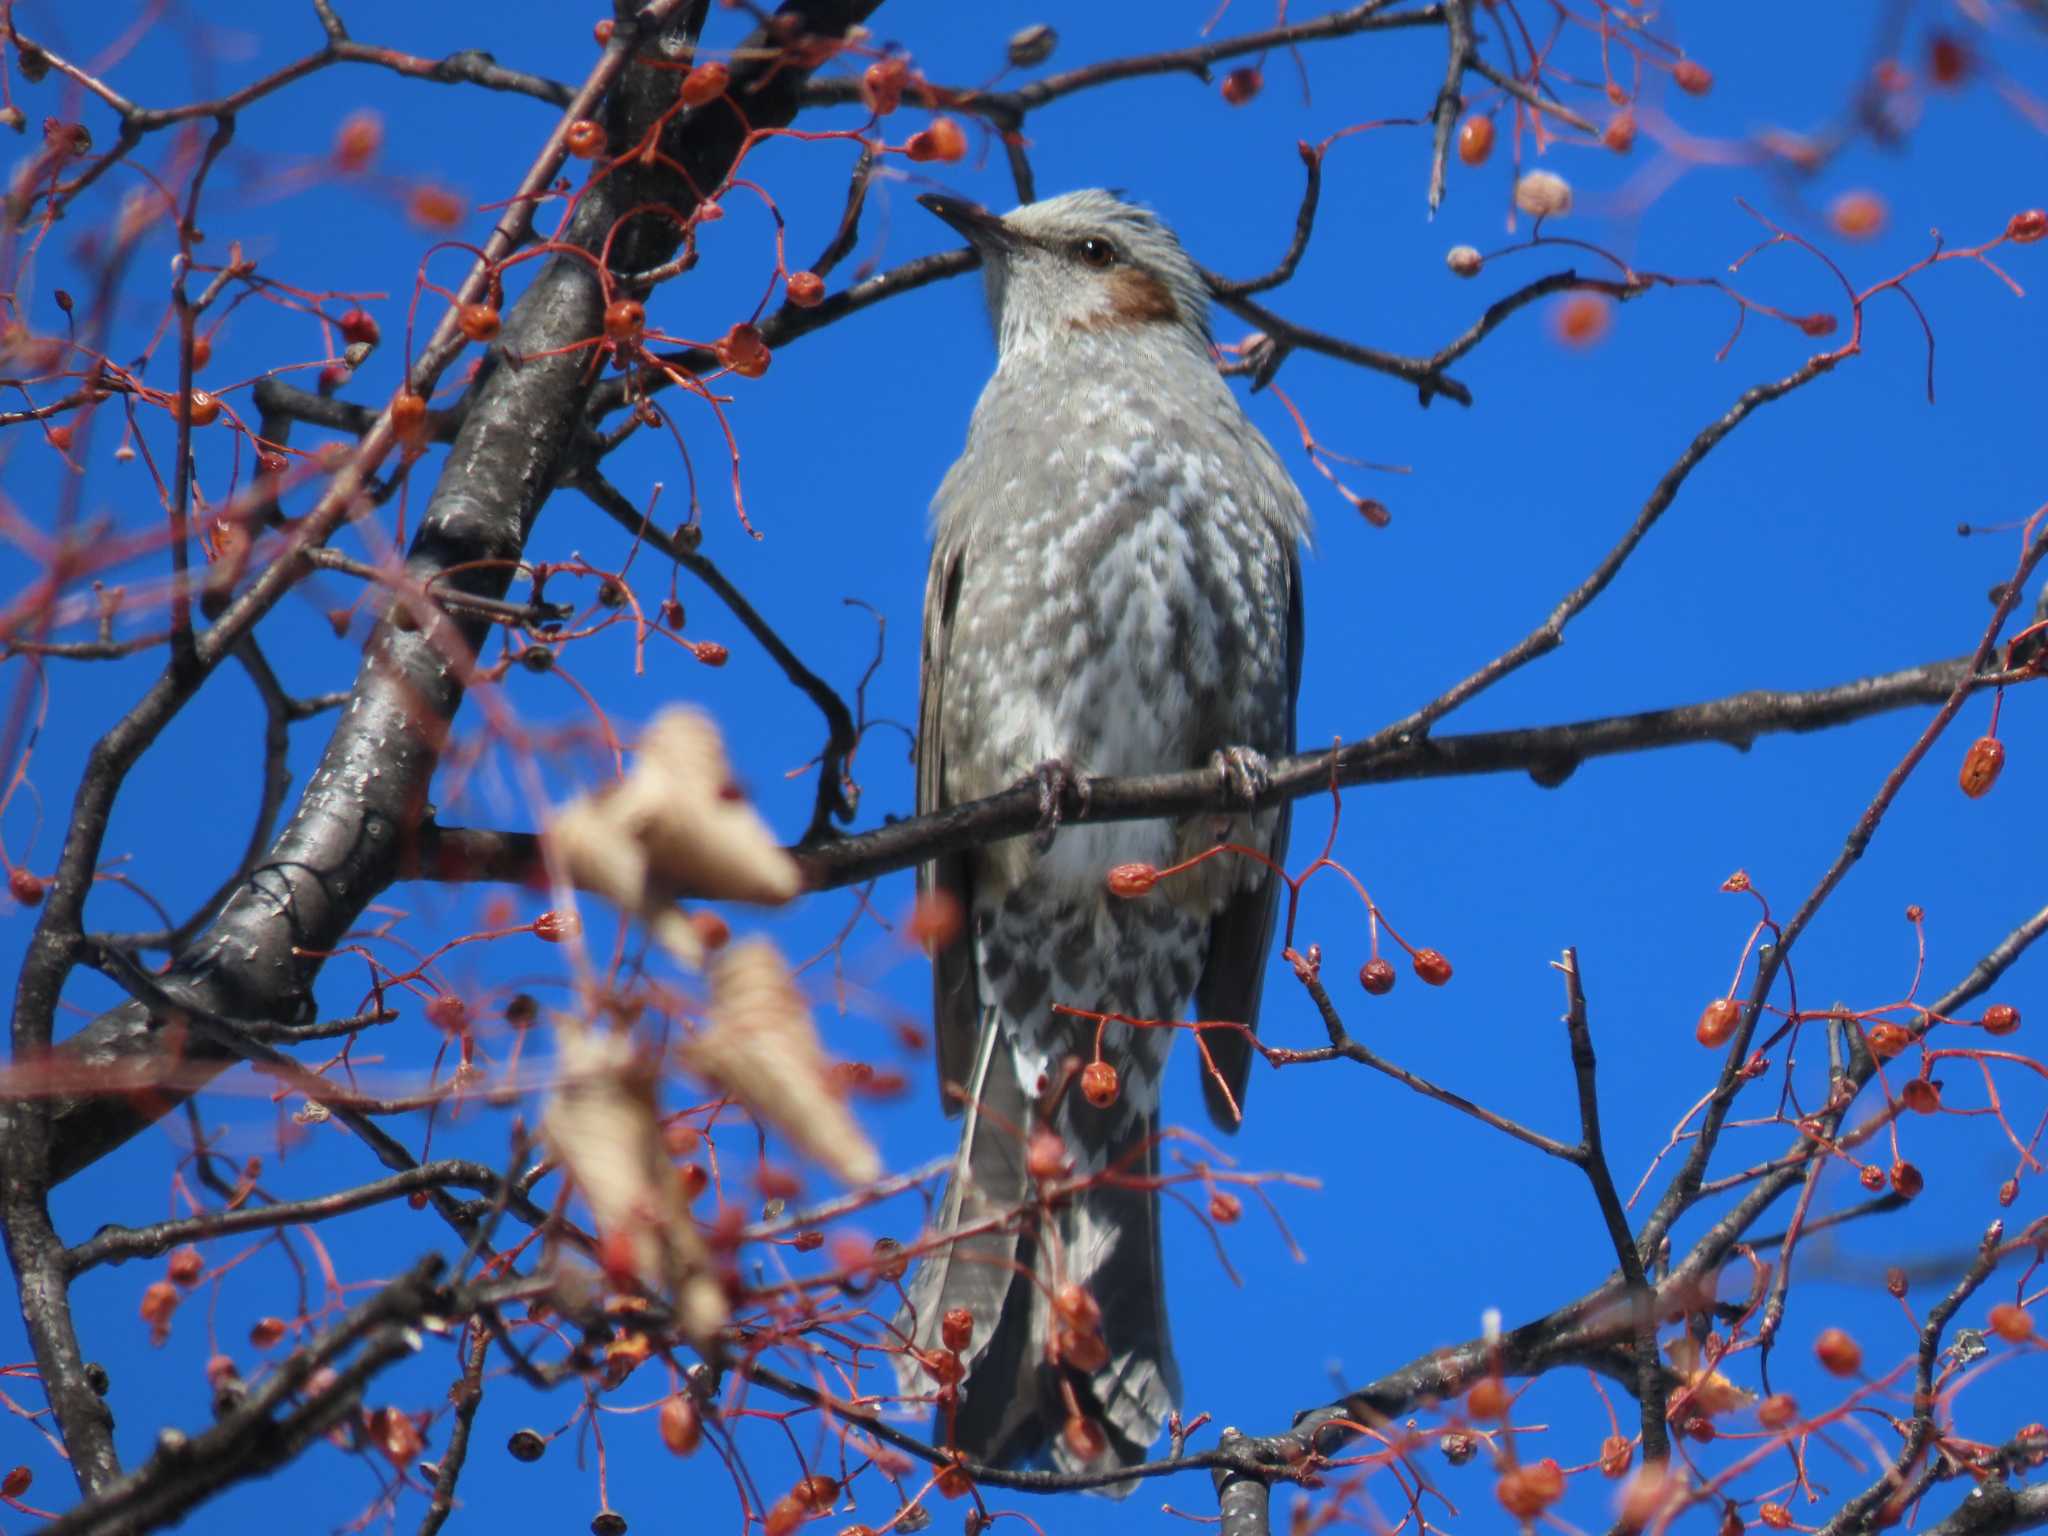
[(1135, 298)]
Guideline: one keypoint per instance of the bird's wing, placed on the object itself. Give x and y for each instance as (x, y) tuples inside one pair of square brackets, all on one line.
[(956, 1000), (1242, 932)]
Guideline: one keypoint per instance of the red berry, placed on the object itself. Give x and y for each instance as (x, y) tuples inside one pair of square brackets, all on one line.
[(357, 140), (2027, 227), (882, 83), (1616, 1456), (942, 141), (435, 208), (266, 1331), (2001, 1019), (1224, 1207), (1907, 1180), (1045, 1155), (1857, 215), (625, 319), (26, 888), (445, 1011), (1947, 60), (1777, 1410), (203, 408), (358, 325), (555, 927), (956, 1329), (1432, 967), (742, 350), (584, 139), (186, 1268), (1241, 85), (1620, 133), (1487, 1400), (707, 82), (806, 289), (1376, 976), (1085, 1439), (1921, 1096), (1887, 1040)]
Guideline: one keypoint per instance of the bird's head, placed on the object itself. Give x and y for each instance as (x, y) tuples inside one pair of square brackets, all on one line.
[(1084, 264)]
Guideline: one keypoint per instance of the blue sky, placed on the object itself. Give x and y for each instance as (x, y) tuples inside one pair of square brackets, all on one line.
[(1818, 544)]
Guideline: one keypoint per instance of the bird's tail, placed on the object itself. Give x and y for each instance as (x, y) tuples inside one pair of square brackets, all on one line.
[(1039, 1356)]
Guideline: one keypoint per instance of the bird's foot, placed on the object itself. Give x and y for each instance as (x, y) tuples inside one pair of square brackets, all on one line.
[(1246, 774), (1062, 796)]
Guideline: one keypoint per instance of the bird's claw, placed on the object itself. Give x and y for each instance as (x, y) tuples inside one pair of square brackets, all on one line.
[(1062, 796), (1246, 774)]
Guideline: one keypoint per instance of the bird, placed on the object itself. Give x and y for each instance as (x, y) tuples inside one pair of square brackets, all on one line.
[(1115, 588)]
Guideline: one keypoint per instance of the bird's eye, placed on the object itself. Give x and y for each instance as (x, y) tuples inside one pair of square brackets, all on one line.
[(1095, 252)]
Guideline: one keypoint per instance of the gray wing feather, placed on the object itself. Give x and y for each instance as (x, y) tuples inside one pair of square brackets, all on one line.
[(1242, 933), (956, 999)]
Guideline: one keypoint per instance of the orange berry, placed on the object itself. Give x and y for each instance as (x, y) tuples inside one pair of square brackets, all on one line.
[(943, 141), (584, 139), (1717, 1021), (817, 1492), (1692, 77), (1083, 1351), (435, 208), (953, 1481), (202, 351), (479, 322), (1475, 140), (682, 1425), (783, 1516), (1921, 1096), (956, 1329), (1616, 1455), (59, 437), (602, 32), (1132, 879), (1224, 1207), (357, 141), (1620, 133), (934, 921), (1871, 1177), (1776, 1516), (806, 289), (1857, 215), (1099, 1084), (1583, 319), (1887, 1040), (1547, 1478), (2012, 1323), (203, 409), (882, 83), (159, 1300), (1777, 1410), (1377, 977), (2027, 227), (1838, 1354), (713, 931), (742, 350), (707, 82), (1907, 1180), (1241, 85), (1432, 967), (1488, 1399), (1981, 765)]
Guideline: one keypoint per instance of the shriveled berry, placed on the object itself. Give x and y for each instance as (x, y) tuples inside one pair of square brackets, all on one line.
[(943, 141), (2025, 227), (186, 1267), (1871, 1177), (743, 350), (1377, 976), (956, 1329), (806, 289), (1981, 766), (479, 322), (584, 139), (1129, 880), (1432, 967), (526, 1445), (1907, 1180), (1224, 1207), (1099, 1084), (1616, 1456), (2001, 1019)]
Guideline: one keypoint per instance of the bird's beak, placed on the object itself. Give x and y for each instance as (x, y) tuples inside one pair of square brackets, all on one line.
[(985, 231)]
